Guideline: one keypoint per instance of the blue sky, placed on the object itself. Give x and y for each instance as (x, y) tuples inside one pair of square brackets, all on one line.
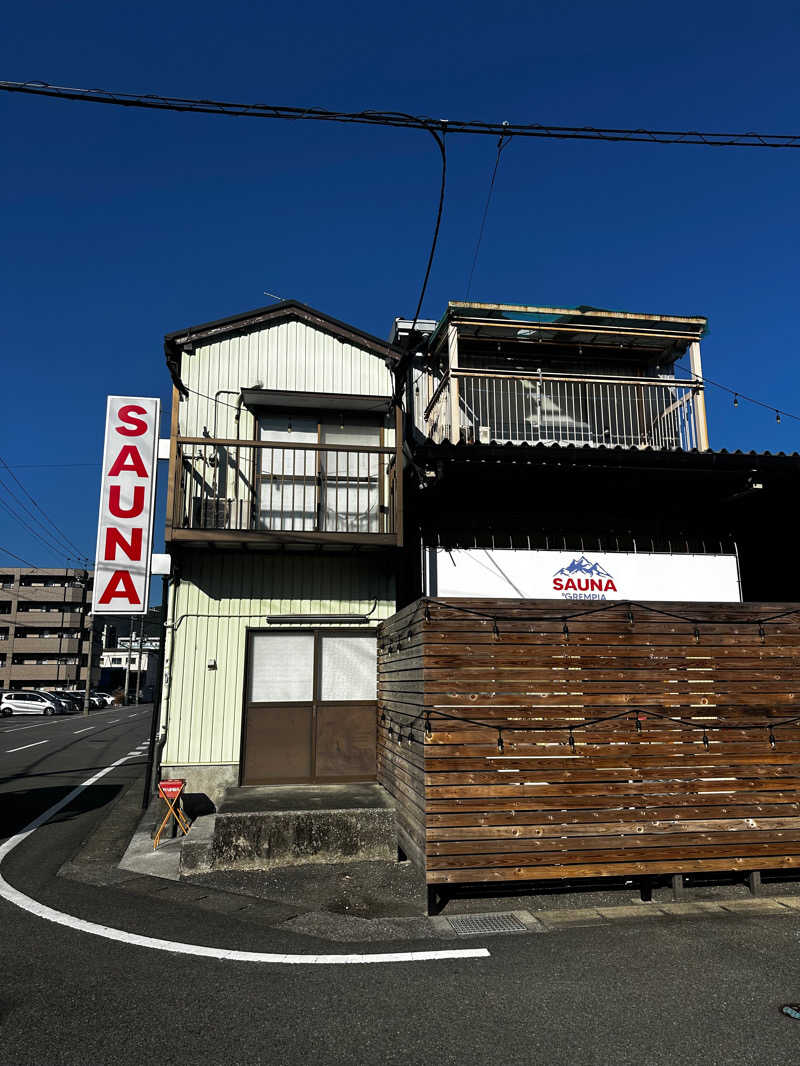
[(120, 226)]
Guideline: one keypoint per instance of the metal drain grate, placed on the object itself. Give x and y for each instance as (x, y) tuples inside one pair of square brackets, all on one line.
[(478, 924)]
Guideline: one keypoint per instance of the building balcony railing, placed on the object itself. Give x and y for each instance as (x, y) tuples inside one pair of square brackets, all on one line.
[(265, 489), (564, 409)]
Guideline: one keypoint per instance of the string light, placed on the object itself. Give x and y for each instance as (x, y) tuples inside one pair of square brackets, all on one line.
[(778, 417), (771, 737), (495, 629), (736, 399), (697, 634), (639, 717)]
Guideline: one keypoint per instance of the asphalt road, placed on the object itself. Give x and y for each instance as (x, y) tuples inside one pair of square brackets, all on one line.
[(653, 991)]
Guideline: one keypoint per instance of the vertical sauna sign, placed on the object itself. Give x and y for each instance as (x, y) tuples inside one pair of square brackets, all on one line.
[(127, 503)]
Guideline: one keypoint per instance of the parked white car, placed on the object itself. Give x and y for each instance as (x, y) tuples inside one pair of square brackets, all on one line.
[(31, 703)]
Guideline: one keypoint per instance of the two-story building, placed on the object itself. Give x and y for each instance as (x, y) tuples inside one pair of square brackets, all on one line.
[(284, 522)]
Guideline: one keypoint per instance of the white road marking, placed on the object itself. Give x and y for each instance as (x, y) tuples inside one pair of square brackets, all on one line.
[(53, 721), (86, 730), (112, 720), (176, 947), (36, 743)]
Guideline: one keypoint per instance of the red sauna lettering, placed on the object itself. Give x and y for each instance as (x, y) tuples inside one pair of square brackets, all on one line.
[(120, 587), (136, 427), (584, 584), (115, 505), (116, 539), (129, 459)]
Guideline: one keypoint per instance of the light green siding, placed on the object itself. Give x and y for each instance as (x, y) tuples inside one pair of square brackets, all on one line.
[(287, 356), (219, 596)]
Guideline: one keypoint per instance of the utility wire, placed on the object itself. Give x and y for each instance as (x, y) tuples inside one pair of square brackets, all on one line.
[(397, 119), (439, 138), (19, 558), (502, 142), (56, 549), (70, 545)]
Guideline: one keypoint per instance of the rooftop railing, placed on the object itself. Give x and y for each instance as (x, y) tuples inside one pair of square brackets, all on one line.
[(563, 409)]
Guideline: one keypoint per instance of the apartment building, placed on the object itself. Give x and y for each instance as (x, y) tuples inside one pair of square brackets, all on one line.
[(44, 628)]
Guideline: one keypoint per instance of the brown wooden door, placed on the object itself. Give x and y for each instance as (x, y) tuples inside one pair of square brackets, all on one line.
[(309, 707)]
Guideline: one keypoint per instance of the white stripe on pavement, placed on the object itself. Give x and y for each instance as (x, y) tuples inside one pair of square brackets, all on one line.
[(86, 730), (10, 751), (32, 906)]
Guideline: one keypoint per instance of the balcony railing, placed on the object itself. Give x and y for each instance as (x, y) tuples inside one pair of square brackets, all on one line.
[(261, 487), (550, 409)]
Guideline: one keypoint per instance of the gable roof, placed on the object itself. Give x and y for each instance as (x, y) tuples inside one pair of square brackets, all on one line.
[(185, 339)]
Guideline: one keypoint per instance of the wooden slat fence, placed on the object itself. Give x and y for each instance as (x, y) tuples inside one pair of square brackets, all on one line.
[(625, 800)]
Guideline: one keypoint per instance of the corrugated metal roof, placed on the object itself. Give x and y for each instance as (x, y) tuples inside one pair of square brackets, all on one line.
[(526, 452)]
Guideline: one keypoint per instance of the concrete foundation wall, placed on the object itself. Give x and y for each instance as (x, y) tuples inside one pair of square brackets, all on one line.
[(210, 781)]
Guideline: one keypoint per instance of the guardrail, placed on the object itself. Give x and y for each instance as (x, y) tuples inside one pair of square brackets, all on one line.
[(546, 408), (263, 486)]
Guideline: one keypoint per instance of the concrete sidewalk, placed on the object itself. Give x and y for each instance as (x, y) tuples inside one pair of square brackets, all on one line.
[(375, 901)]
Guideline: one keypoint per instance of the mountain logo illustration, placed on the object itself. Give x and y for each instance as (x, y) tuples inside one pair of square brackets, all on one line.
[(583, 579), (582, 566)]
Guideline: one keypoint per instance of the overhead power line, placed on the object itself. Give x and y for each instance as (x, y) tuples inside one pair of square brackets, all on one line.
[(19, 558), (502, 142), (60, 537), (400, 120)]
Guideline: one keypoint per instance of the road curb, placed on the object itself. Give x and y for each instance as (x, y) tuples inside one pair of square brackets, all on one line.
[(97, 862)]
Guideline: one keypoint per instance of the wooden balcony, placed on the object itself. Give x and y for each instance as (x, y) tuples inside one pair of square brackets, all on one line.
[(260, 494)]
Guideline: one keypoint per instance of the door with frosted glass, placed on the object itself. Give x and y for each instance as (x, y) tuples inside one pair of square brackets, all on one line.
[(310, 707)]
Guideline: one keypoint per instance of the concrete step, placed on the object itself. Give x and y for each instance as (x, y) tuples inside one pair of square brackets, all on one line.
[(260, 827)]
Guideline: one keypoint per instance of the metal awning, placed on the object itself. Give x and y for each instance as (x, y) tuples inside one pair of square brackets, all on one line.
[(326, 401)]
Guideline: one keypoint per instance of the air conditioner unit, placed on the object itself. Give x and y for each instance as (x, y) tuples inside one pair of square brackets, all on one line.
[(484, 434), (211, 514)]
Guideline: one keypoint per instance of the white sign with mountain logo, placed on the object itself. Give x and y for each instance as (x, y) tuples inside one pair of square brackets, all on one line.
[(567, 575)]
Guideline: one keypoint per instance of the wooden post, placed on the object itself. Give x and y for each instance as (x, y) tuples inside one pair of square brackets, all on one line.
[(700, 421), (172, 519), (452, 367)]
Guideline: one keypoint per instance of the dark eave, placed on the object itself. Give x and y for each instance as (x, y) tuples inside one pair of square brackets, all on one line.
[(576, 455)]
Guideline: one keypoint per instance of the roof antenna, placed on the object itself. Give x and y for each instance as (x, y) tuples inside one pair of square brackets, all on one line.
[(273, 296)]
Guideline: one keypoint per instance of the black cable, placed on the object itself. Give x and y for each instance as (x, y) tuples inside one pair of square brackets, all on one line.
[(737, 394), (55, 549), (401, 120), (19, 558), (586, 723), (69, 544), (502, 142), (439, 138), (610, 606)]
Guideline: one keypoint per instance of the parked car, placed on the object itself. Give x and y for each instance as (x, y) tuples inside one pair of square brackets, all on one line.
[(32, 703), (106, 700), (73, 698)]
